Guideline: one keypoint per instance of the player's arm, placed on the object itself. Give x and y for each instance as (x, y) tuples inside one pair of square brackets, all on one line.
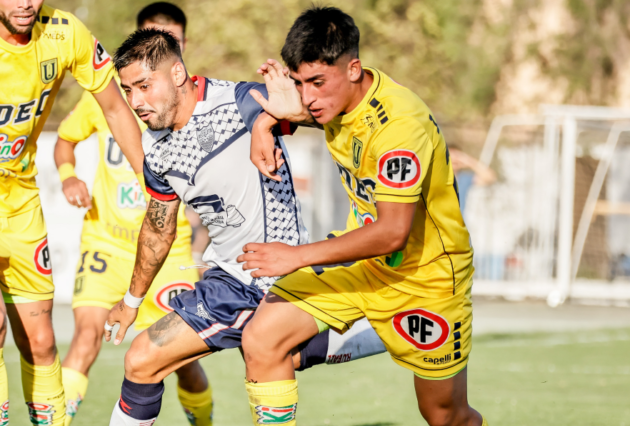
[(282, 103), (74, 189), (158, 232), (75, 128), (388, 234), (122, 124)]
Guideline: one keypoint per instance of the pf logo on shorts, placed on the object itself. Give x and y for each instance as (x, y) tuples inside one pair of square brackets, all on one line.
[(425, 330), (42, 258), (399, 169), (168, 293)]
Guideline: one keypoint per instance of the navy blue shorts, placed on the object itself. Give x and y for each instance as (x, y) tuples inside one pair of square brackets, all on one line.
[(218, 308)]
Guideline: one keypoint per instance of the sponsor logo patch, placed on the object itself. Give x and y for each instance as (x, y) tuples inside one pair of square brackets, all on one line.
[(439, 361), (11, 149), (40, 414), (339, 359), (168, 293), (362, 219), (48, 70), (130, 196), (425, 330), (101, 57), (42, 258), (399, 169), (275, 415), (72, 406)]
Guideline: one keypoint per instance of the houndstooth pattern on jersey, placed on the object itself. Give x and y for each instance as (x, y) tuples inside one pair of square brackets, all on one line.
[(281, 214), (181, 151)]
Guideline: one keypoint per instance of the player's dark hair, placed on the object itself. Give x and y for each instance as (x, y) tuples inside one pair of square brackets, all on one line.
[(320, 34), (162, 13), (151, 46)]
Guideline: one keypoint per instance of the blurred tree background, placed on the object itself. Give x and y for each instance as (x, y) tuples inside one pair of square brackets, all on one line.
[(464, 58)]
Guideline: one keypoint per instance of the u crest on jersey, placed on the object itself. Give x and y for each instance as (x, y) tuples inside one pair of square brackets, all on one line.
[(48, 70)]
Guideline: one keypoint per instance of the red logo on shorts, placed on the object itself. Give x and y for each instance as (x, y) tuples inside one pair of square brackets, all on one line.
[(425, 330), (169, 292), (42, 258)]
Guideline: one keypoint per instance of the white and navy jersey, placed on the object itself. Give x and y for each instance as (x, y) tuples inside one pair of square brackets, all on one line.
[(206, 164)]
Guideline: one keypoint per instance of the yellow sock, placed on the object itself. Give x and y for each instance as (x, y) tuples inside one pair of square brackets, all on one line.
[(273, 402), (4, 391), (75, 386), (198, 406), (43, 393), (483, 421)]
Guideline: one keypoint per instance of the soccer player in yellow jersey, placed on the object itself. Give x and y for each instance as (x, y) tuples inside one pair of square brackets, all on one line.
[(404, 260), (109, 241), (38, 44)]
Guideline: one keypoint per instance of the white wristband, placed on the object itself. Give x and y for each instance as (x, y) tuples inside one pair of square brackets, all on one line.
[(132, 301)]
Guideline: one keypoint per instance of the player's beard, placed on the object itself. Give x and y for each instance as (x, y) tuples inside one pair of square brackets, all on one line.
[(6, 21), (166, 117)]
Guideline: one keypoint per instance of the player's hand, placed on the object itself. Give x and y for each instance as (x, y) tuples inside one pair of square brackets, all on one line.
[(263, 153), (123, 315), (284, 102), (269, 259), (76, 192)]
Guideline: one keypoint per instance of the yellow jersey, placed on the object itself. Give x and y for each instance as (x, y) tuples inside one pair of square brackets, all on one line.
[(390, 149), (31, 76), (118, 204)]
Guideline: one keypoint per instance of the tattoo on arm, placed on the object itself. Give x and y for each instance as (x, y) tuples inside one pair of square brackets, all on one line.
[(158, 232), (156, 213)]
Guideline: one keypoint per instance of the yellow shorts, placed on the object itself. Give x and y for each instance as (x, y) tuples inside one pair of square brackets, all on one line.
[(25, 264), (103, 279), (431, 337)]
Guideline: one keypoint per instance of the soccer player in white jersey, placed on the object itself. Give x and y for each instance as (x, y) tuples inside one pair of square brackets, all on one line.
[(38, 44), (108, 245), (197, 151)]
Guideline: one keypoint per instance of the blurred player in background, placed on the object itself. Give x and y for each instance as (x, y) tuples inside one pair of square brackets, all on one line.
[(38, 44), (404, 260), (109, 241)]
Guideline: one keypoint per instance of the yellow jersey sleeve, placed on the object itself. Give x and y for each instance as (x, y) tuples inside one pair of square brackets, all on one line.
[(92, 66), (402, 152), (81, 122)]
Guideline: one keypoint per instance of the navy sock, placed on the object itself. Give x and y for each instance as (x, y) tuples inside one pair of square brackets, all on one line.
[(141, 401), (313, 352)]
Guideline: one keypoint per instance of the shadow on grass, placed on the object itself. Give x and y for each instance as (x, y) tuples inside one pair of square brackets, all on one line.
[(378, 424)]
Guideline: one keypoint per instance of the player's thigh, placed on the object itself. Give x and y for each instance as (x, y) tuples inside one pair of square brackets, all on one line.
[(31, 324), (27, 271), (89, 322), (102, 277), (429, 336), (329, 293), (163, 348), (168, 284)]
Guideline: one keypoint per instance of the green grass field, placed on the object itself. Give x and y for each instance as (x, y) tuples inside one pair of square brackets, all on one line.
[(526, 379)]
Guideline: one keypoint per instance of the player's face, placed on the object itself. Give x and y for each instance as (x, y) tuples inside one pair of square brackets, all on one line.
[(151, 94), (18, 16), (175, 29), (327, 90)]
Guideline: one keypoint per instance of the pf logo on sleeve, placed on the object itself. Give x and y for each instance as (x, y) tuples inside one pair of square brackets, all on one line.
[(399, 169), (425, 330), (101, 57), (42, 258)]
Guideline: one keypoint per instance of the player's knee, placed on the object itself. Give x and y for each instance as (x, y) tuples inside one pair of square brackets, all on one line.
[(257, 350), (140, 362), (88, 341), (41, 347), (3, 328)]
